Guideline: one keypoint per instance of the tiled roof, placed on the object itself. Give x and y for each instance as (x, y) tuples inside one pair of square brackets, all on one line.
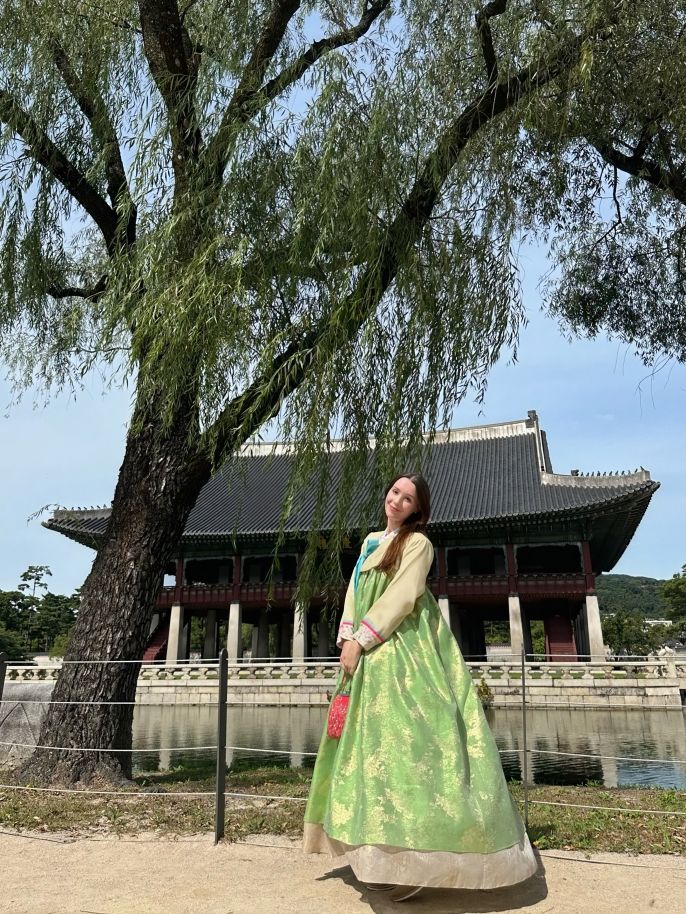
[(481, 475)]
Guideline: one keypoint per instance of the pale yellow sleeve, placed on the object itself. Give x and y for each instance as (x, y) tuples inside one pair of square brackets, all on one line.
[(399, 598), (345, 629)]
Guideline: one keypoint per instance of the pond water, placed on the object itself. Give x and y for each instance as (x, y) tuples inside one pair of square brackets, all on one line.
[(293, 732)]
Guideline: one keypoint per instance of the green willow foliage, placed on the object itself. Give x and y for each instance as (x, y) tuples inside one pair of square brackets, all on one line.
[(609, 157), (212, 221)]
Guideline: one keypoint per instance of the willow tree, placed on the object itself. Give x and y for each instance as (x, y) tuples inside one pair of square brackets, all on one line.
[(604, 173), (250, 210)]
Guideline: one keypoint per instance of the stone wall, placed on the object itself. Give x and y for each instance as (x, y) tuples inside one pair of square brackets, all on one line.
[(305, 684)]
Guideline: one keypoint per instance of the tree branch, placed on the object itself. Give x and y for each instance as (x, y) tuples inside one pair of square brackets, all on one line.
[(174, 68), (646, 138), (249, 98), (47, 154), (77, 292), (665, 146), (267, 45), (483, 26), (187, 8), (94, 109), (673, 181), (261, 401)]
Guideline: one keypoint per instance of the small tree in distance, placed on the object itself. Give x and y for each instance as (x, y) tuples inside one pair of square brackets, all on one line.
[(31, 622), (32, 579), (626, 632), (674, 592)]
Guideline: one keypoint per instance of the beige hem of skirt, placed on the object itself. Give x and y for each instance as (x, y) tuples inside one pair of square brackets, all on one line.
[(438, 869)]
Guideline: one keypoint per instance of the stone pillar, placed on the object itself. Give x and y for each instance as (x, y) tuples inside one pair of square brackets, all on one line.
[(516, 629), (263, 636), (595, 632), (444, 606), (299, 634), (323, 636), (234, 640), (174, 642), (209, 650), (253, 643)]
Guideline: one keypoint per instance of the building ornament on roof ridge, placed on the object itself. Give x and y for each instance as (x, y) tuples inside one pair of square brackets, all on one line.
[(594, 481), (449, 436)]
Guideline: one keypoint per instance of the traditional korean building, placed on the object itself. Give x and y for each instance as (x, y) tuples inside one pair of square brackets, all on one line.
[(515, 543)]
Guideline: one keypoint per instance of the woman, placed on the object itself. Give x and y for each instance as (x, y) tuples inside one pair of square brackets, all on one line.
[(413, 792)]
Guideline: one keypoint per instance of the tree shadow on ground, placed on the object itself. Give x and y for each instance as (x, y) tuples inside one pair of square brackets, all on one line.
[(451, 901)]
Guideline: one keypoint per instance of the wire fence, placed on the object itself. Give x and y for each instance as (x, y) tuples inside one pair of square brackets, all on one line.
[(220, 748)]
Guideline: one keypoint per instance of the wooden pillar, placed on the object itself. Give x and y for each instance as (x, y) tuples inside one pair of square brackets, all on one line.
[(442, 571), (587, 565), (263, 636), (178, 581), (209, 651), (237, 573), (511, 567), (323, 649), (284, 637), (479, 635), (456, 626)]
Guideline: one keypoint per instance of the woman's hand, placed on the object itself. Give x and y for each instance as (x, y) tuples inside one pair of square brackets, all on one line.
[(350, 656)]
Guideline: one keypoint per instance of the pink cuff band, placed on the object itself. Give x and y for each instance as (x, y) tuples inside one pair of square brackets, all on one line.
[(375, 633), (345, 633)]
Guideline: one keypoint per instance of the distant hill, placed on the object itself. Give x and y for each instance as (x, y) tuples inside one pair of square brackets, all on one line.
[(624, 591)]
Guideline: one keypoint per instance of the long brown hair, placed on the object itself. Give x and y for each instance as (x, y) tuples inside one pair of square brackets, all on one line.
[(415, 523)]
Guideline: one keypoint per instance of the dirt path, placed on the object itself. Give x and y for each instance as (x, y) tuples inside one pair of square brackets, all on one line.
[(148, 875)]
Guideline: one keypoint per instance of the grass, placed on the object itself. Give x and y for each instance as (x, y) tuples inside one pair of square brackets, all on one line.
[(549, 826), (85, 813), (600, 830)]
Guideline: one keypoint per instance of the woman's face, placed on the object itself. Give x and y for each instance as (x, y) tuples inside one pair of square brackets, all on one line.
[(401, 501)]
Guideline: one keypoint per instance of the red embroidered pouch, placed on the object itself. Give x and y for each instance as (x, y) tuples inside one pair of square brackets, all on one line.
[(338, 710)]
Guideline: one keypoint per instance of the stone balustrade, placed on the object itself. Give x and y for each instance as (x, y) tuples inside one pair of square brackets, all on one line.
[(32, 673), (650, 683), (243, 672)]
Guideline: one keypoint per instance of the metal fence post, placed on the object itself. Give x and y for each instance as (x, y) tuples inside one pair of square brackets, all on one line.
[(220, 799), (3, 670), (525, 762)]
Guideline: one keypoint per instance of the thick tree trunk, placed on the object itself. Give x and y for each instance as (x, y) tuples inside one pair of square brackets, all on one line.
[(158, 485)]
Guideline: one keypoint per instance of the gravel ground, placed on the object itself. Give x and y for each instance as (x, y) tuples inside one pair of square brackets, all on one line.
[(54, 874)]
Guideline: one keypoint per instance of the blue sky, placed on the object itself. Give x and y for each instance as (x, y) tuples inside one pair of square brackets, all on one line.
[(597, 402)]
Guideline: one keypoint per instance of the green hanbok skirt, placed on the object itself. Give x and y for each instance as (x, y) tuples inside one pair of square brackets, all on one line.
[(413, 792)]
